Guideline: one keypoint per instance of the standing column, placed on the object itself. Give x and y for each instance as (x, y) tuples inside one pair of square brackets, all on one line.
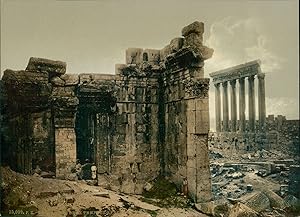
[(242, 104), (225, 106), (251, 95), (218, 107), (261, 100), (233, 105)]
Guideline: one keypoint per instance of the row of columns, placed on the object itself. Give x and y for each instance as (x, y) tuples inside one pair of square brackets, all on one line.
[(242, 104)]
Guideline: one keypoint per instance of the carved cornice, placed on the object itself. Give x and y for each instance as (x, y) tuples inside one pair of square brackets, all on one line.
[(240, 71), (197, 87)]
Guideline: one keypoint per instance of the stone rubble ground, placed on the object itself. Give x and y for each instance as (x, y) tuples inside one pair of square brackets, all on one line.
[(252, 185), (242, 187), (52, 197)]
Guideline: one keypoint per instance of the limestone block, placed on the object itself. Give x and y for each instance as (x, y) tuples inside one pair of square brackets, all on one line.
[(195, 27), (134, 55), (62, 91), (191, 178), (258, 202), (57, 81), (202, 122), (190, 105), (45, 65), (191, 121), (131, 108), (122, 118), (206, 52), (204, 192), (70, 79), (194, 41), (139, 94), (28, 77), (202, 104), (191, 151), (275, 200), (65, 143), (176, 44)]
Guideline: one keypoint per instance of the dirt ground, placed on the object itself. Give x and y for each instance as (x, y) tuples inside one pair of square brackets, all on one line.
[(37, 196)]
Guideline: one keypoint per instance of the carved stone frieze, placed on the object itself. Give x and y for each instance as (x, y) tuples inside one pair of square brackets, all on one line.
[(197, 87), (236, 72)]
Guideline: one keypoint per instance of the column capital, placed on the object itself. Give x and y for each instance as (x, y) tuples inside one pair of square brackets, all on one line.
[(261, 75), (242, 79), (251, 78), (217, 85), (232, 82), (224, 83)]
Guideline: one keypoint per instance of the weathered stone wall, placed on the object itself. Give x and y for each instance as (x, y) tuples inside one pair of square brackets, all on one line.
[(150, 118), (26, 121), (187, 113), (135, 143)]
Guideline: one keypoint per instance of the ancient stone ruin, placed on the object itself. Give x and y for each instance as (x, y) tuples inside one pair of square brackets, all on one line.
[(239, 135), (151, 118), (231, 75)]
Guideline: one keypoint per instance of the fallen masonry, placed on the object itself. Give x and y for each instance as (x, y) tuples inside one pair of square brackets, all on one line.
[(151, 118)]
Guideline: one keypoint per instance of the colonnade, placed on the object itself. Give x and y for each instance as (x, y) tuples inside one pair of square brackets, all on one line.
[(229, 77)]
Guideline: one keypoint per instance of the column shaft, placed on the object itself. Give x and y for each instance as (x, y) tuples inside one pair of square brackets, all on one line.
[(261, 100), (251, 95), (242, 103), (233, 105), (225, 106), (218, 107)]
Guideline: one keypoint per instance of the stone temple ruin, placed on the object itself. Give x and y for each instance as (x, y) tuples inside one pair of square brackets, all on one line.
[(231, 75), (241, 135), (151, 118)]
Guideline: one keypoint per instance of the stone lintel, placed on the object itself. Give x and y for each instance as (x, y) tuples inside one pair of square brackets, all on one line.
[(236, 72), (181, 59), (46, 65)]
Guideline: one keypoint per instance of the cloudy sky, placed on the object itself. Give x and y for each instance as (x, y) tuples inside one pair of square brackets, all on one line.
[(92, 35)]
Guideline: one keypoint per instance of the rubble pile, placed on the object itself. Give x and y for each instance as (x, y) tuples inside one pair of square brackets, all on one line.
[(32, 195), (258, 183)]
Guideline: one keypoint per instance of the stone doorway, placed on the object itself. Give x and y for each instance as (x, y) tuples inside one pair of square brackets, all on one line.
[(94, 120)]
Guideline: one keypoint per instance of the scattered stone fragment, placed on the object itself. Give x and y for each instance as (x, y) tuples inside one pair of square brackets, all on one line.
[(258, 202), (67, 191), (275, 200), (69, 199), (148, 186), (241, 210), (102, 194), (249, 188), (47, 174)]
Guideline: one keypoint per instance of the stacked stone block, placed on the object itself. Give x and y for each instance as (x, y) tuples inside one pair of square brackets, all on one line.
[(151, 118)]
